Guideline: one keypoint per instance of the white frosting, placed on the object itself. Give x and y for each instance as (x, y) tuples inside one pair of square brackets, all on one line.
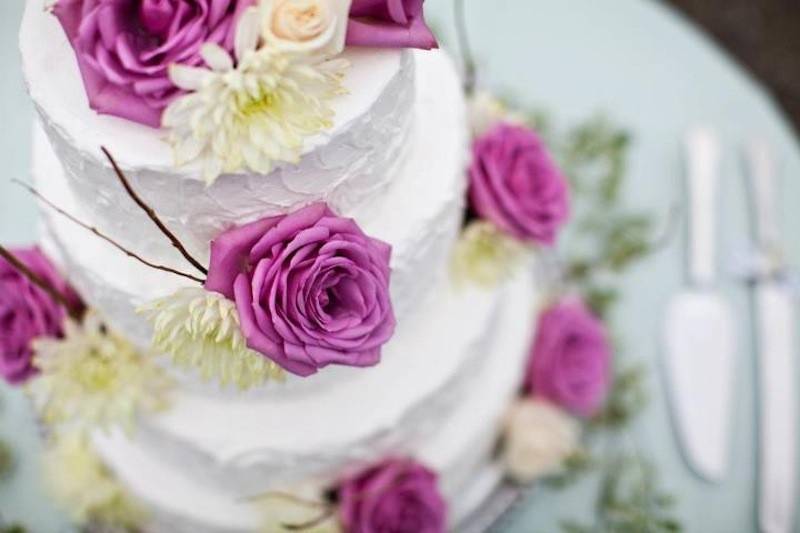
[(418, 214), (393, 162), (347, 166), (458, 443)]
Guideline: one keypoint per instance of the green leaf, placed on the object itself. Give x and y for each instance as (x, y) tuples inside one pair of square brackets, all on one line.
[(627, 398), (568, 526), (13, 528), (600, 300), (6, 461), (576, 466)]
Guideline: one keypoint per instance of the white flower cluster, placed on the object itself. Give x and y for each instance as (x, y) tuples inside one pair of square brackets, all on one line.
[(79, 482), (538, 438), (258, 107), (200, 330), (93, 377), (486, 256)]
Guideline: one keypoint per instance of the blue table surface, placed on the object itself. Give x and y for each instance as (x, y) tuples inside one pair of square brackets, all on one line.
[(651, 72)]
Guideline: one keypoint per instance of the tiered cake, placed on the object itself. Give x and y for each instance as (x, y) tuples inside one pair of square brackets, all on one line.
[(394, 161)]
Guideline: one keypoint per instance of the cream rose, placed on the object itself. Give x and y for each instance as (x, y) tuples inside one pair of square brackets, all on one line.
[(314, 27), (538, 437)]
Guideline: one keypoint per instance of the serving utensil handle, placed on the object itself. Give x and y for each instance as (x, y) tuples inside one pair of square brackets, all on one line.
[(702, 150), (763, 192)]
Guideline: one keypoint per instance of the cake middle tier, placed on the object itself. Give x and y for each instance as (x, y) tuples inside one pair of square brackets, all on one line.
[(246, 444), (418, 215), (440, 399)]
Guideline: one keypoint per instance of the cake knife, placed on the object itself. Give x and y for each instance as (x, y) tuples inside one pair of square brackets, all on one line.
[(699, 333), (774, 330)]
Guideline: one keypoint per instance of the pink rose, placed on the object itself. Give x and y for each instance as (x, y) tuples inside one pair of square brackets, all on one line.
[(124, 48), (310, 287), (398, 496), (515, 184), (570, 360), (389, 24), (27, 312)]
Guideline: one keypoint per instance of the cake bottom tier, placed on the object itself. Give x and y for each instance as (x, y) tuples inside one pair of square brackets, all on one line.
[(459, 446)]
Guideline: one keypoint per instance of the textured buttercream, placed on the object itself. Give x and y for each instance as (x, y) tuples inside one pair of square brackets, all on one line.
[(346, 166), (460, 424), (419, 214)]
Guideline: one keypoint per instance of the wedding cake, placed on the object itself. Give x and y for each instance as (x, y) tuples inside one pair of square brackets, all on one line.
[(266, 199)]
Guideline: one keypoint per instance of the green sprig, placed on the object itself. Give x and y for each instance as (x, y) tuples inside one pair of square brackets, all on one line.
[(605, 239)]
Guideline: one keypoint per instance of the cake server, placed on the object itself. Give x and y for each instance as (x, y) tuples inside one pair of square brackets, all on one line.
[(774, 329), (699, 332)]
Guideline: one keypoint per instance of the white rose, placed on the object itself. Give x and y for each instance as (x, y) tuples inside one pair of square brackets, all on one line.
[(538, 437), (485, 111), (314, 27)]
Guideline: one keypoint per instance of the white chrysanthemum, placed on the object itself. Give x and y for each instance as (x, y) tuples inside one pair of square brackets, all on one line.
[(538, 438), (485, 255), (200, 329), (253, 111), (84, 487), (95, 378), (486, 111)]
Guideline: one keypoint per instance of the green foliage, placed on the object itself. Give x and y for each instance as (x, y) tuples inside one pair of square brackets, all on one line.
[(628, 398), (609, 236), (576, 466), (631, 500), (6, 461), (593, 157), (13, 528), (605, 239)]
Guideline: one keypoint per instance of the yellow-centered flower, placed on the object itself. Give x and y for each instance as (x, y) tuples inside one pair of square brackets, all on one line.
[(95, 378), (81, 484), (200, 330), (485, 255), (251, 111)]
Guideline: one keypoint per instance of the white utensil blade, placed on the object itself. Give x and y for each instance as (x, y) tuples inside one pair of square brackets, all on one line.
[(700, 344), (775, 335)]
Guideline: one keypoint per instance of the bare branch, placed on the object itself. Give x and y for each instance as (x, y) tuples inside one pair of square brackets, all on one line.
[(57, 296), (106, 238), (152, 214)]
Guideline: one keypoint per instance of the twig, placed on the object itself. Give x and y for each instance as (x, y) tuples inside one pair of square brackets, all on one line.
[(285, 496), (152, 214), (330, 509), (46, 286), (106, 238), (464, 46), (314, 522)]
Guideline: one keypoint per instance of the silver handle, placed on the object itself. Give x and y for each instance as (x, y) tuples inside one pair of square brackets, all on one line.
[(764, 198), (702, 151), (777, 437)]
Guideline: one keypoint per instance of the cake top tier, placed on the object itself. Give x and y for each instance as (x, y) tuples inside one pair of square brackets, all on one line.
[(60, 87), (348, 165)]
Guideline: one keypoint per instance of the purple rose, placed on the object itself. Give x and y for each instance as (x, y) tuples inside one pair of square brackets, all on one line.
[(397, 496), (124, 48), (27, 312), (515, 184), (389, 24), (310, 287), (570, 361)]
